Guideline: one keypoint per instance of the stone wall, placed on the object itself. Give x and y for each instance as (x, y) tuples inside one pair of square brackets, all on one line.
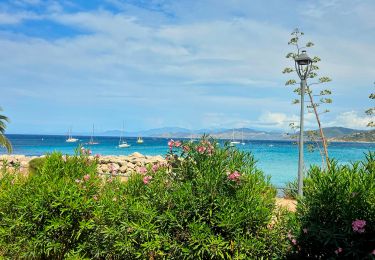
[(108, 164)]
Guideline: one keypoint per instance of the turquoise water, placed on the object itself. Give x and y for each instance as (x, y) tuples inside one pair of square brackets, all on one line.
[(276, 158)]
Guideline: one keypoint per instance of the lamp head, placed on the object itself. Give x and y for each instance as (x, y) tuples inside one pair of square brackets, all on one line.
[(303, 65)]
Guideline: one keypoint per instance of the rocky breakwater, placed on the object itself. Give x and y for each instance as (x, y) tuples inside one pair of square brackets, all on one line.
[(107, 165), (15, 163), (125, 165)]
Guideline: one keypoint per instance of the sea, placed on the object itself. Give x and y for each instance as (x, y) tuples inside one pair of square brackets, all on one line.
[(278, 159)]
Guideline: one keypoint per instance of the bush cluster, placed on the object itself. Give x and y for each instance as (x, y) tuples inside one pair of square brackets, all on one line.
[(206, 202), (337, 212)]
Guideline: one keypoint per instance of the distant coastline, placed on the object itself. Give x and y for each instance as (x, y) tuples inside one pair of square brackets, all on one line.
[(333, 134)]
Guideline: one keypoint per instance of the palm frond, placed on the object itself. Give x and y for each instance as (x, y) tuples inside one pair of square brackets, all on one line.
[(4, 142)]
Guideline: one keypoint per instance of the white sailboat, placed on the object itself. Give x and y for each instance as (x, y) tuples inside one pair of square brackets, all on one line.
[(70, 138), (233, 142), (122, 143), (242, 142), (92, 141), (140, 140)]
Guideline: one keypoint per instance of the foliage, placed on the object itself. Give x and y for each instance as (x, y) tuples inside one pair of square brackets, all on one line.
[(207, 202), (47, 215), (4, 142), (337, 212), (316, 80), (36, 165), (371, 111)]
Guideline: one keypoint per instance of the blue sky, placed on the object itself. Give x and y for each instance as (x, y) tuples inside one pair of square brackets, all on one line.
[(193, 64)]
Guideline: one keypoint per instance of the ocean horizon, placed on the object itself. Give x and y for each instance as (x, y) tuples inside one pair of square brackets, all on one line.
[(278, 159)]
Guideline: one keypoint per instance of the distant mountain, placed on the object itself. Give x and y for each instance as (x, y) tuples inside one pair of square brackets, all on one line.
[(332, 134), (347, 134), (335, 132), (360, 136)]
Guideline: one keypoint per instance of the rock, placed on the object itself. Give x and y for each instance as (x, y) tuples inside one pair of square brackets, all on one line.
[(104, 168), (123, 169), (138, 155), (130, 165)]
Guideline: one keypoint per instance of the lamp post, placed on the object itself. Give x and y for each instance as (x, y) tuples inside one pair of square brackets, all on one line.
[(303, 64)]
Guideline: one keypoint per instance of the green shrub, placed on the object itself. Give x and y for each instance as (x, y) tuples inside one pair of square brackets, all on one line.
[(36, 165), (48, 214), (196, 209), (337, 212), (206, 202)]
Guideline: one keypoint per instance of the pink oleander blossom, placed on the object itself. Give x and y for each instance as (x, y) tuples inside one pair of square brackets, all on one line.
[(155, 167), (294, 241), (338, 250), (358, 225), (147, 179), (177, 143), (142, 170), (373, 252), (234, 176), (86, 177), (95, 197), (171, 144), (201, 149)]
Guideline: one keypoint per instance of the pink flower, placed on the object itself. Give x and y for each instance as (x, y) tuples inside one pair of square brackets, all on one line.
[(359, 225), (338, 250), (95, 197), (201, 149), (86, 177), (234, 176), (171, 144), (147, 179), (142, 170), (186, 148), (305, 230), (155, 167), (177, 143), (373, 252), (294, 241)]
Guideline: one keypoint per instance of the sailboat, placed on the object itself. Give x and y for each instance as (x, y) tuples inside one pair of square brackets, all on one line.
[(233, 142), (92, 142), (140, 140), (122, 143), (70, 138), (242, 142)]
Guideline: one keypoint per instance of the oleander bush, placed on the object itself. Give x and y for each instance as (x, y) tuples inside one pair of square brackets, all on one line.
[(209, 203), (46, 215), (337, 212), (206, 202)]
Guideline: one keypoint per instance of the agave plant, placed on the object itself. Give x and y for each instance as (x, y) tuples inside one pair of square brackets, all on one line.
[(4, 142)]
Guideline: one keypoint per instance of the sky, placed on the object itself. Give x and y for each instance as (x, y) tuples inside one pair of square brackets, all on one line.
[(184, 63)]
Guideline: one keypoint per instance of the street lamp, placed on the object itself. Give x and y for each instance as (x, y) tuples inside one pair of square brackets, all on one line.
[(303, 64)]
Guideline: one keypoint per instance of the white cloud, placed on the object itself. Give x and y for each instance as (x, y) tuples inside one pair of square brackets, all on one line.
[(351, 119)]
